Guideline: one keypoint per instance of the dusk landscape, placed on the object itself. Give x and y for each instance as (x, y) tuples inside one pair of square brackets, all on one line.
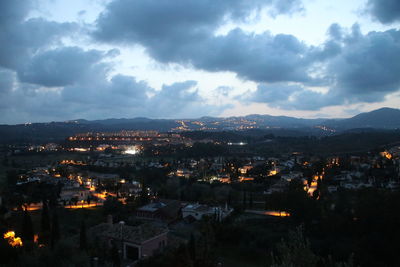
[(199, 133)]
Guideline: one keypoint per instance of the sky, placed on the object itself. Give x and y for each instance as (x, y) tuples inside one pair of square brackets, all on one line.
[(96, 59)]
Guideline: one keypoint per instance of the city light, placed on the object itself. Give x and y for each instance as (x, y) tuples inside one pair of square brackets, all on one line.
[(132, 150), (12, 240)]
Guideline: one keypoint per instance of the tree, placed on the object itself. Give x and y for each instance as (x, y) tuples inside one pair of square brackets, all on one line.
[(11, 179), (112, 206), (5, 161), (144, 198), (74, 201), (82, 236), (115, 256), (192, 247), (244, 200), (206, 244), (27, 234), (44, 224), (55, 229), (295, 251)]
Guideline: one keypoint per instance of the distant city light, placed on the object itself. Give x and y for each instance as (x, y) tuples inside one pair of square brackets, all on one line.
[(12, 239), (237, 144), (132, 151)]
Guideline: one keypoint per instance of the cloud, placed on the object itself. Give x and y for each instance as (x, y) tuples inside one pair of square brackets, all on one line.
[(175, 100), (289, 97), (386, 11), (6, 81), (120, 96), (62, 66), (367, 68), (151, 20), (352, 66), (359, 69), (20, 38), (183, 32), (14, 11), (42, 79), (179, 100), (276, 94)]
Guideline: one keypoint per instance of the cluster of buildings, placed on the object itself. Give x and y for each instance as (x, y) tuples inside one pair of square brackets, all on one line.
[(127, 138), (158, 222)]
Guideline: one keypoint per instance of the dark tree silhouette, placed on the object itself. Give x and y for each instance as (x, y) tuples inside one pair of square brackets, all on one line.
[(44, 224), (55, 229), (27, 228), (82, 236), (115, 256), (192, 248)]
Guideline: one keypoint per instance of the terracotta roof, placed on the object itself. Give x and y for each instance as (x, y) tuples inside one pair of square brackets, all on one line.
[(135, 234)]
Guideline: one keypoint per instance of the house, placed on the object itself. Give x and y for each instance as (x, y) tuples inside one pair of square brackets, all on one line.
[(198, 211), (292, 176), (332, 188), (217, 166), (245, 169), (79, 193), (134, 242), (164, 210), (184, 173), (245, 178), (130, 189), (224, 178)]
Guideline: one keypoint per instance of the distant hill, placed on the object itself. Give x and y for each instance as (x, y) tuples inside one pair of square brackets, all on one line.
[(384, 118)]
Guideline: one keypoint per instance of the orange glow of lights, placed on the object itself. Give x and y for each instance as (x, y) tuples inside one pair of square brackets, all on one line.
[(12, 240), (272, 173), (83, 206), (277, 213)]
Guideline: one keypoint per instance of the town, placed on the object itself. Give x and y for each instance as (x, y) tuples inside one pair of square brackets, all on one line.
[(138, 197), (199, 133)]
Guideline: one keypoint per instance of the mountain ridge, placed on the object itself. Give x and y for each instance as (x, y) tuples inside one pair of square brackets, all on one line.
[(384, 118)]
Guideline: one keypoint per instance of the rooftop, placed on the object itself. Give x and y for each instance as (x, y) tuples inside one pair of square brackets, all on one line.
[(135, 234)]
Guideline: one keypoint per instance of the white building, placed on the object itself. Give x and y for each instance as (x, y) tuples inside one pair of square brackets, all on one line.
[(197, 211)]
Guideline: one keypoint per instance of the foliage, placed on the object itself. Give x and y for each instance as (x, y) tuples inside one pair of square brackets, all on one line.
[(295, 251), (27, 234)]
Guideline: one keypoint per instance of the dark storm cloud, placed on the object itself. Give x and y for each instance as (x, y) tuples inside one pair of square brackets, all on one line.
[(360, 68), (20, 38), (386, 11), (354, 67), (13, 11), (368, 67), (182, 100), (43, 80), (183, 32), (124, 95), (178, 21), (276, 93), (262, 57), (288, 96), (121, 96), (6, 81), (92, 95), (62, 66), (119, 91)]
